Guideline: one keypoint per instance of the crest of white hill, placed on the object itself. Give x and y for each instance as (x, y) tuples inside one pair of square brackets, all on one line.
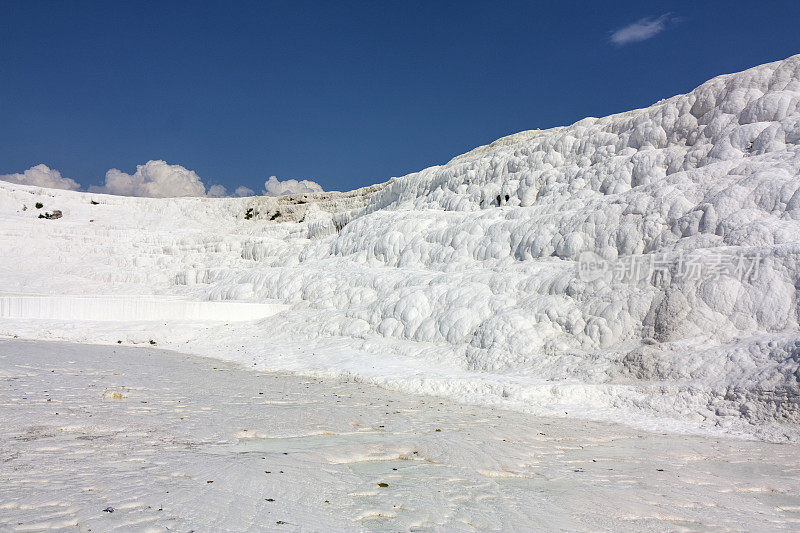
[(474, 265)]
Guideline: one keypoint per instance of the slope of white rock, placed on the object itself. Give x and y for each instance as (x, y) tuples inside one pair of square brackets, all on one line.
[(640, 267)]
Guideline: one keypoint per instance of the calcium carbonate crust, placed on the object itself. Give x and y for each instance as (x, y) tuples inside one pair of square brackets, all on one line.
[(474, 265)]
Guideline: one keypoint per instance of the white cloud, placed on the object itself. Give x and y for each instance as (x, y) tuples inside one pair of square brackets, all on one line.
[(42, 176), (243, 191), (217, 191), (155, 179), (275, 187), (640, 30)]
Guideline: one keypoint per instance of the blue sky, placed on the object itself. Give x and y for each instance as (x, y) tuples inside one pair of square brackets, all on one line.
[(343, 93)]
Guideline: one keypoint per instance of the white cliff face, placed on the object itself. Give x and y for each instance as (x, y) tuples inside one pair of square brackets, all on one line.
[(638, 265)]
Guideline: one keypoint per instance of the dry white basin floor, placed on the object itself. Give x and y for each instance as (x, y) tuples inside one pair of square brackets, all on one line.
[(96, 438)]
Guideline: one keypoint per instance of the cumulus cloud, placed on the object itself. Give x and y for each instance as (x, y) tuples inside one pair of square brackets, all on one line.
[(42, 176), (641, 30), (217, 191), (275, 187), (155, 179), (243, 191)]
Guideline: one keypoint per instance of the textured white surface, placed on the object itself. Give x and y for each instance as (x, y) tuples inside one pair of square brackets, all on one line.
[(126, 308), (462, 279), (143, 431)]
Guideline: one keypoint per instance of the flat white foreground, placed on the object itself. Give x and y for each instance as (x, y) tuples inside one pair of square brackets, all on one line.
[(104, 308), (179, 442)]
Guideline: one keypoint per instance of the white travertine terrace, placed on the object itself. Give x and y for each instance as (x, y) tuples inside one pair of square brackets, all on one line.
[(471, 268)]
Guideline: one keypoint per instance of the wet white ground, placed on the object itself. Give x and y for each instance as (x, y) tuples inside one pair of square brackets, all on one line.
[(180, 442)]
